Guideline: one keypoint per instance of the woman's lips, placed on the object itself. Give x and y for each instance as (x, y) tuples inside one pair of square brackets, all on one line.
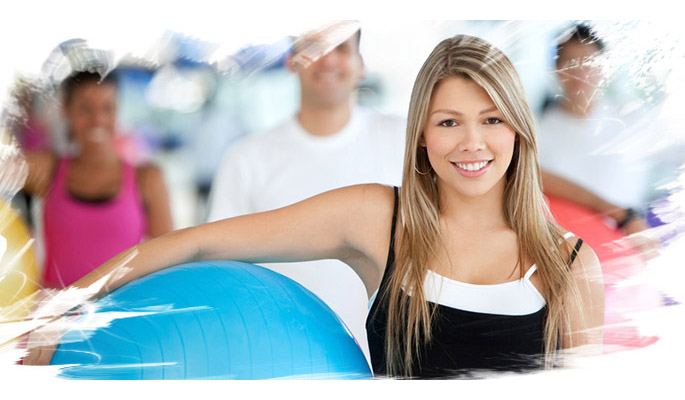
[(472, 169)]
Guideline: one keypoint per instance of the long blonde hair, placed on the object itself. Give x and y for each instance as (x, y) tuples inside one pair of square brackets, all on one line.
[(525, 211)]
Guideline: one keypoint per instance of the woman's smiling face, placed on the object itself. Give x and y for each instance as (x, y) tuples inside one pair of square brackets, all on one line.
[(469, 144), (91, 113)]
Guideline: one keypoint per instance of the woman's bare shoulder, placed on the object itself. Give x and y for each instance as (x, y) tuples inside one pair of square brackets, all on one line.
[(148, 171), (370, 201), (585, 260), (367, 225)]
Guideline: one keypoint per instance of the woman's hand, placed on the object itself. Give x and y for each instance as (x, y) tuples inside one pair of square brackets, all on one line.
[(50, 319), (41, 346)]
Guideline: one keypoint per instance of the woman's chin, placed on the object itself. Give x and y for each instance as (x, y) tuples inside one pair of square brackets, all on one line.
[(96, 144)]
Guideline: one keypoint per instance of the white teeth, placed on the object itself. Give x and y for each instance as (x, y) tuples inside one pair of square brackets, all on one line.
[(472, 166)]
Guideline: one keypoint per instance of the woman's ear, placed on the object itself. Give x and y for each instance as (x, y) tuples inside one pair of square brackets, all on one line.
[(422, 140)]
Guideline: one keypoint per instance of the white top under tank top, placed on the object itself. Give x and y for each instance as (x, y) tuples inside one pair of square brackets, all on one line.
[(519, 297)]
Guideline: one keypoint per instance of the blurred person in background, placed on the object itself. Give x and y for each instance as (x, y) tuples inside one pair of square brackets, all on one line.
[(578, 135), (95, 204), (587, 160), (329, 143)]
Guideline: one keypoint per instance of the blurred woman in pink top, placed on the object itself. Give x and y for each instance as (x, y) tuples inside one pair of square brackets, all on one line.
[(95, 203)]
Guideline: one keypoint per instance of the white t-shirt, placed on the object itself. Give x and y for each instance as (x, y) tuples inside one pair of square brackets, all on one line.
[(286, 165), (594, 152)]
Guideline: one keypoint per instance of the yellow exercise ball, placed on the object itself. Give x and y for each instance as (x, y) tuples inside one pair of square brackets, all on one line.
[(18, 270)]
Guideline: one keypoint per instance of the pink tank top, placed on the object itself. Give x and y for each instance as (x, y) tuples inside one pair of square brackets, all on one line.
[(81, 235)]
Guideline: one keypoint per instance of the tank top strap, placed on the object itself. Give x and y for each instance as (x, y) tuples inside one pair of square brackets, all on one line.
[(530, 272), (574, 253), (576, 249), (391, 250), (390, 263)]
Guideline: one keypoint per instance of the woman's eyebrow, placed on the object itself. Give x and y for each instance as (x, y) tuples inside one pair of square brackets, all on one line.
[(487, 110), (454, 112), (447, 111)]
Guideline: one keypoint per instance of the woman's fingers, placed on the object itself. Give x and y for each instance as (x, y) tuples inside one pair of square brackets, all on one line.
[(41, 344), (41, 355)]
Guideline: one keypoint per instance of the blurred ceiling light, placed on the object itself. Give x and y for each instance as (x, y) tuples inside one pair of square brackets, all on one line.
[(178, 90)]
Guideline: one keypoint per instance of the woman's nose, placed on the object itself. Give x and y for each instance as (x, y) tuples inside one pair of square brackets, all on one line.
[(472, 140), (101, 118)]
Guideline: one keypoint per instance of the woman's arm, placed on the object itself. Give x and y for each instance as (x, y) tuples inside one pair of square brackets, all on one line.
[(155, 200), (40, 170), (351, 224), (557, 186)]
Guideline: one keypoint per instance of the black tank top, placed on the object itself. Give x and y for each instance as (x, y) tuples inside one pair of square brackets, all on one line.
[(464, 343)]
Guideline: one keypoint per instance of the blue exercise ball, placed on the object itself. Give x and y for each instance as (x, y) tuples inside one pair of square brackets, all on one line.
[(212, 320)]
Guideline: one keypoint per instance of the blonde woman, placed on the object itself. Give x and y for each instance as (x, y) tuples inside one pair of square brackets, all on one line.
[(465, 270)]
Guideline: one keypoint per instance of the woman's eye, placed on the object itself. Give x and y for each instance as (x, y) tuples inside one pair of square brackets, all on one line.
[(448, 123), (493, 120)]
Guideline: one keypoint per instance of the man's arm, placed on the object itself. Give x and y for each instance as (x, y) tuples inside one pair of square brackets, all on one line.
[(557, 186), (626, 219)]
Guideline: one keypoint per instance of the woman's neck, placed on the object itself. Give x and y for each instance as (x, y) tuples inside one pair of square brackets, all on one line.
[(100, 156), (474, 214)]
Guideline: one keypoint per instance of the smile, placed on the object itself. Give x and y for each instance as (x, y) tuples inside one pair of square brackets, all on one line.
[(472, 169), (472, 166)]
